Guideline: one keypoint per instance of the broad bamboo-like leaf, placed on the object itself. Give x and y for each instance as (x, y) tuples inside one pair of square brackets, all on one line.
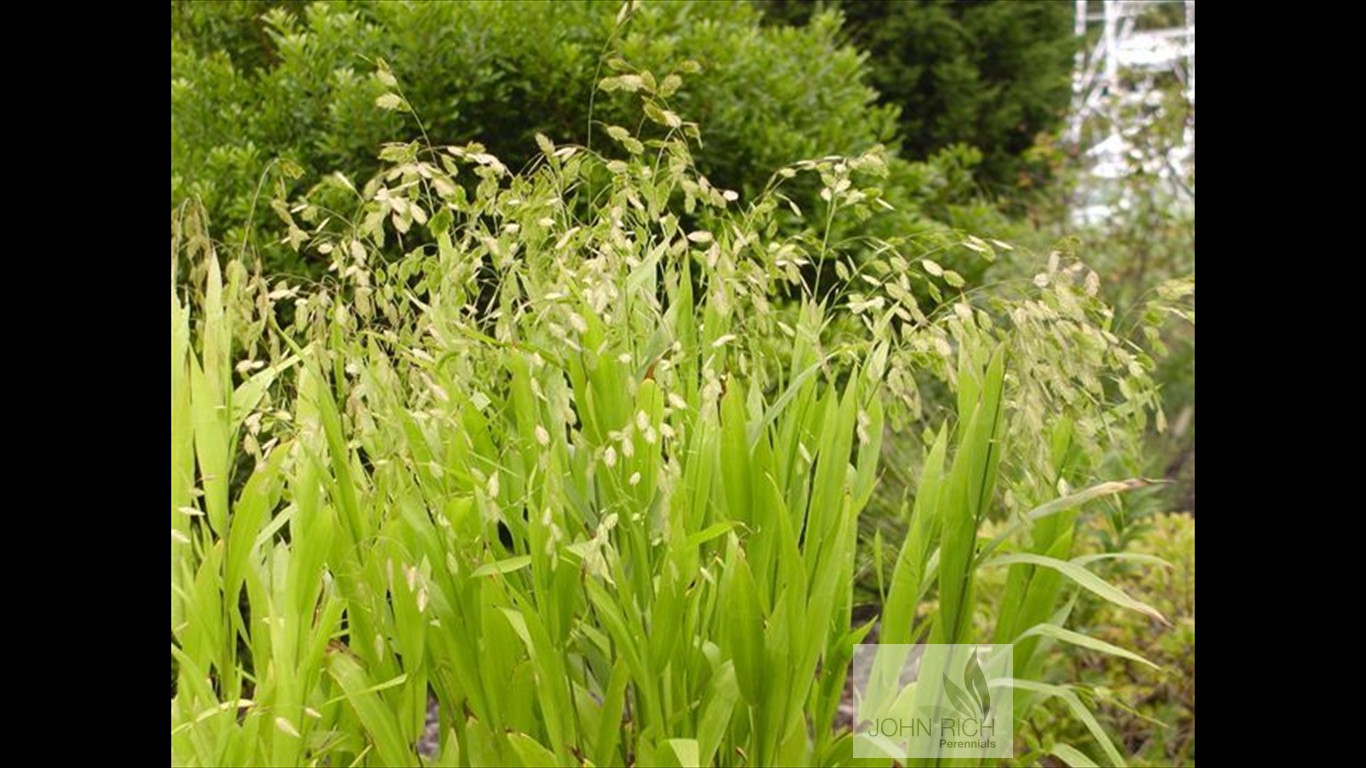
[(1074, 703), (378, 720), (1084, 578), (506, 565), (1083, 641), (1072, 756)]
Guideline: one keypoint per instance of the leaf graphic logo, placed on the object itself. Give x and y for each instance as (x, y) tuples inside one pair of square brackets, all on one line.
[(975, 701)]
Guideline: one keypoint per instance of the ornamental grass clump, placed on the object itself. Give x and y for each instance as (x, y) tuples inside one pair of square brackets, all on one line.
[(584, 464)]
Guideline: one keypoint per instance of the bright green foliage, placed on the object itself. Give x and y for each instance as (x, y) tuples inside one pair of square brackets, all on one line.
[(991, 74), (769, 95), (947, 543), (569, 466), (650, 595)]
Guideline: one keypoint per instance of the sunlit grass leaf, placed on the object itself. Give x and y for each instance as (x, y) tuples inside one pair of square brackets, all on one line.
[(507, 565), (1078, 708), (377, 718), (1083, 578), (1072, 756), (1084, 641)]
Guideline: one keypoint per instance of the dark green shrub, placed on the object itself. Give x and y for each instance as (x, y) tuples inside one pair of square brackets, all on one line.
[(991, 74)]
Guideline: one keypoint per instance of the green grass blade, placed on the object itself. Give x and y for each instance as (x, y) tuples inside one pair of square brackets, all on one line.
[(1084, 579), (1083, 641), (375, 716)]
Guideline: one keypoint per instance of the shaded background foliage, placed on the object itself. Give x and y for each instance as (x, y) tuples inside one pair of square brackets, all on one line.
[(992, 74)]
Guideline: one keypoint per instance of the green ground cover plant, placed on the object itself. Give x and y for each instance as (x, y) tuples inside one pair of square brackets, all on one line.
[(580, 450), (1150, 709)]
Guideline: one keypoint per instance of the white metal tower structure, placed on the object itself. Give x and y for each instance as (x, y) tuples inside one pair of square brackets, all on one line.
[(1113, 81)]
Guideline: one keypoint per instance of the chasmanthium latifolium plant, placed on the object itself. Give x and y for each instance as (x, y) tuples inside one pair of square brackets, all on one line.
[(581, 451)]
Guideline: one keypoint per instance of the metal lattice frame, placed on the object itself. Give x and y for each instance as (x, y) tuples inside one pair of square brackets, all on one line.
[(1099, 89)]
